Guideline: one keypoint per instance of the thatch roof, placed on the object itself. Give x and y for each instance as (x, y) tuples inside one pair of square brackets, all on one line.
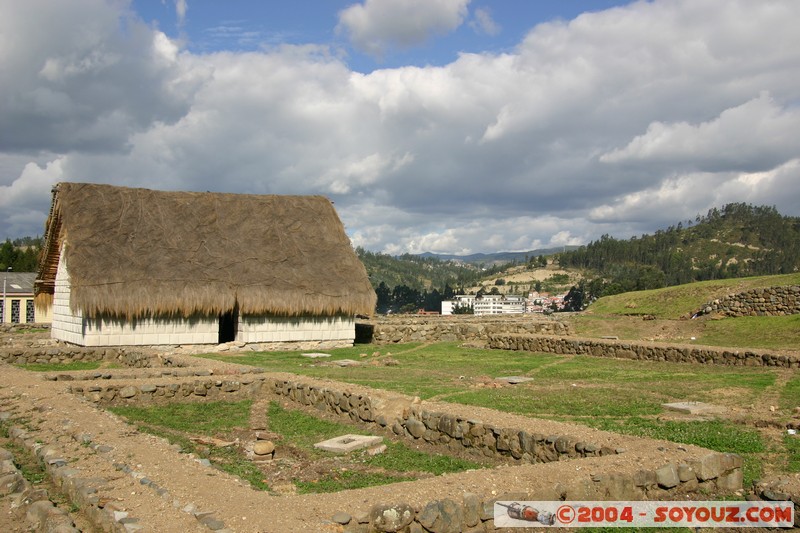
[(138, 252)]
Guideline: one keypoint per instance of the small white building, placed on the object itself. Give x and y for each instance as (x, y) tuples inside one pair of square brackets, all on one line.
[(499, 304), (17, 303)]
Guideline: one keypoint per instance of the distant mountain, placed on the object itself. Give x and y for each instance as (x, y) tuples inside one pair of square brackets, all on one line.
[(498, 258)]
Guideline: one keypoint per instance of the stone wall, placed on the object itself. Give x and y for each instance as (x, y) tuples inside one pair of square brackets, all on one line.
[(245, 386), (770, 301), (641, 351), (62, 354), (608, 476), (410, 328), (712, 473), (23, 327), (440, 429)]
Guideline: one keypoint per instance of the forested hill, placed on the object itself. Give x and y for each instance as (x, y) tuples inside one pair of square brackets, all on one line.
[(21, 255), (418, 272), (735, 241)]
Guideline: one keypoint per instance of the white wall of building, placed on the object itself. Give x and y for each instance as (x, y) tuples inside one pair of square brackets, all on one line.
[(496, 304), (76, 329), (290, 329), (459, 300)]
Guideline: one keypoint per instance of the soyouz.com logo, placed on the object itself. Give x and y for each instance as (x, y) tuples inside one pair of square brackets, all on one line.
[(644, 514)]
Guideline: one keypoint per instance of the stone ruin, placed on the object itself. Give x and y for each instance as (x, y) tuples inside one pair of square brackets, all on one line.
[(123, 480)]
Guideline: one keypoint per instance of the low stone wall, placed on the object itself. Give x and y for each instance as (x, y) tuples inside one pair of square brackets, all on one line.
[(411, 328), (642, 352), (246, 386), (712, 473), (62, 354), (24, 327), (440, 429), (32, 501), (770, 301), (459, 434)]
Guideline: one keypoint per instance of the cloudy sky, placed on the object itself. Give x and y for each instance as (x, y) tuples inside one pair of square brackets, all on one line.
[(451, 126)]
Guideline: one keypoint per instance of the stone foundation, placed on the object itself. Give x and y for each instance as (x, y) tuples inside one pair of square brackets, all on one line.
[(642, 351), (410, 328), (770, 301)]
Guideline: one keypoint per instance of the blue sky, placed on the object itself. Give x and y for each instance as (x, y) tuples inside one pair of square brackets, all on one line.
[(243, 25), (449, 126)]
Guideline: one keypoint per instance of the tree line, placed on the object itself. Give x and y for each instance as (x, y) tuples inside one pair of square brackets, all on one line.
[(735, 241), (21, 255)]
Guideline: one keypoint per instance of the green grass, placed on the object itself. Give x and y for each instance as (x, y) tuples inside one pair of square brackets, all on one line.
[(400, 458), (758, 332), (175, 422), (346, 480), (619, 395), (205, 418), (62, 367), (792, 443), (790, 395), (716, 435), (426, 371), (674, 302), (712, 434), (304, 430), (398, 462)]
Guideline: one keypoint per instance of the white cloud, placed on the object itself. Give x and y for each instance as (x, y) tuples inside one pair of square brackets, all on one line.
[(619, 122), (756, 134), (377, 25), (84, 75), (484, 23), (180, 11)]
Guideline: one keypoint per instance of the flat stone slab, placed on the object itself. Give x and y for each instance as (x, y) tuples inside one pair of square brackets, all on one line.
[(513, 380), (348, 443), (315, 355), (693, 408), (346, 362)]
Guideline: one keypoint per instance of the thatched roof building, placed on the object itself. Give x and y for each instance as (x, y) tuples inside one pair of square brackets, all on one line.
[(136, 253)]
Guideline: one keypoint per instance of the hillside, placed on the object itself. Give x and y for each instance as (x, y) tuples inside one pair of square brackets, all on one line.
[(736, 241), (499, 258), (665, 315)]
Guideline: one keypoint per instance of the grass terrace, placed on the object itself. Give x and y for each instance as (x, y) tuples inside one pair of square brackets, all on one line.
[(618, 395)]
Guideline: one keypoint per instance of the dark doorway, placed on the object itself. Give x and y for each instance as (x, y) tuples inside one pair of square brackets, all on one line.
[(228, 325)]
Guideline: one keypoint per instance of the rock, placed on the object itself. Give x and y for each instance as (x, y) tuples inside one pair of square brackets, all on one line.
[(415, 427), (391, 517), (708, 467), (341, 518), (472, 507), (377, 450), (442, 516), (686, 472), (212, 523), (127, 392), (263, 447)]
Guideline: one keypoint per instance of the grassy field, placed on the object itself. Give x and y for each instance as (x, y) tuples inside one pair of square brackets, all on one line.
[(681, 300), (294, 430), (621, 315), (618, 395)]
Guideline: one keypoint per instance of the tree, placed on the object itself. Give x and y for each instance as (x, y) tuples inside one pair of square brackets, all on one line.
[(384, 303), (463, 309)]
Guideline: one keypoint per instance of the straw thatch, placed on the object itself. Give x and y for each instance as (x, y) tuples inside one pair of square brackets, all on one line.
[(137, 252)]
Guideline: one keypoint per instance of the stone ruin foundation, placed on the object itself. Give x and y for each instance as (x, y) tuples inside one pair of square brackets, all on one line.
[(123, 480)]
